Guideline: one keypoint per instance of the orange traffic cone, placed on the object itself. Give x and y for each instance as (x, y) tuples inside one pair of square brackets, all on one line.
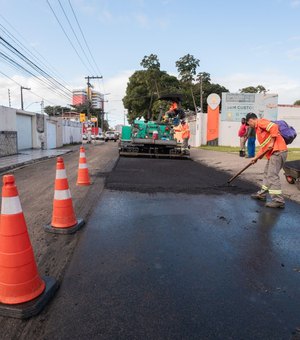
[(22, 292), (63, 218), (83, 171)]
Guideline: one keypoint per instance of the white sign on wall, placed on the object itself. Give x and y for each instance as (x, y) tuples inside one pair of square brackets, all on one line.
[(235, 106)]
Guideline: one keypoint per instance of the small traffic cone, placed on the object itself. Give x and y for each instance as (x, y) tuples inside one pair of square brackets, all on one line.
[(63, 218), (83, 171), (22, 292)]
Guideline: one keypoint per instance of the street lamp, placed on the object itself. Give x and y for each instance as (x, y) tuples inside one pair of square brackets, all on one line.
[(23, 88), (31, 104)]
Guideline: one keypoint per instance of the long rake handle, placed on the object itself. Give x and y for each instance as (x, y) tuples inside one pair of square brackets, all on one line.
[(245, 168)]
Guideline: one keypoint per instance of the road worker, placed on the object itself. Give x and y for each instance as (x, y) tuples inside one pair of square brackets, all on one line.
[(270, 140), (184, 129)]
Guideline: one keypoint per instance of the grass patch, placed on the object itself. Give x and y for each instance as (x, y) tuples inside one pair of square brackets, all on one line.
[(293, 154)]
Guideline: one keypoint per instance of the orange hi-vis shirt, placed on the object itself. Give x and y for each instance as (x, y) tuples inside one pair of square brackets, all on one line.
[(265, 130), (173, 107), (185, 130)]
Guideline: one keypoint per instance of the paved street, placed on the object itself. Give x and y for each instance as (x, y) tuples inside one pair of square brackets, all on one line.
[(170, 252)]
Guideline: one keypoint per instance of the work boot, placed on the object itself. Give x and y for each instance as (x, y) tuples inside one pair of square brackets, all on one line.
[(259, 196), (274, 204)]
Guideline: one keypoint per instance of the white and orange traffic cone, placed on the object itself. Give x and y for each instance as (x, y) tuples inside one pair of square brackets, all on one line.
[(63, 217), (83, 171), (22, 291)]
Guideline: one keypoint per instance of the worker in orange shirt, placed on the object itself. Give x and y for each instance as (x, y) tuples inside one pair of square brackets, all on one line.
[(185, 134), (172, 110), (270, 140)]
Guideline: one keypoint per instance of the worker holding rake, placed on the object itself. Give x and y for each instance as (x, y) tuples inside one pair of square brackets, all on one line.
[(274, 147)]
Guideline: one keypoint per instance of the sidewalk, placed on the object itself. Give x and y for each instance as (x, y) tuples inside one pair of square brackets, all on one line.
[(28, 156), (232, 163)]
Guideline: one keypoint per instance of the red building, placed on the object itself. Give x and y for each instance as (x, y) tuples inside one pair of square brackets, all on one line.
[(79, 97)]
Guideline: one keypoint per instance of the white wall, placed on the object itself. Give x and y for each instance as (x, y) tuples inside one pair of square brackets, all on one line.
[(8, 120), (71, 132), (228, 131)]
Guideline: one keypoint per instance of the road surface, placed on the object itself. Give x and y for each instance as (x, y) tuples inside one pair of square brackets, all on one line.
[(170, 252)]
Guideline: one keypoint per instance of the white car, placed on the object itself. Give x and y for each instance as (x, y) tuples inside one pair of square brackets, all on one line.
[(110, 135)]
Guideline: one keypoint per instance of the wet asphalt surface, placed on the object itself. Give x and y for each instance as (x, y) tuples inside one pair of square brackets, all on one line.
[(171, 253)]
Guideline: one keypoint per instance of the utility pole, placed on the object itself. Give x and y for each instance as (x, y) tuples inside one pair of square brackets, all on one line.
[(201, 93), (89, 94), (23, 88), (9, 102)]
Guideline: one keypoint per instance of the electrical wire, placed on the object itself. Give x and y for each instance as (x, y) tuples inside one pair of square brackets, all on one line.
[(18, 66), (46, 64), (45, 99), (61, 26), (76, 37), (86, 44), (51, 81)]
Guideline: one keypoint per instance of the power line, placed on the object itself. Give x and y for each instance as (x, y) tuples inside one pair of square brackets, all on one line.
[(85, 41), (61, 26), (16, 65), (47, 77), (45, 99), (25, 49), (76, 37)]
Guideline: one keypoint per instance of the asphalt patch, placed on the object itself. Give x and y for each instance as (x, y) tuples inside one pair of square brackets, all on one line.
[(171, 175)]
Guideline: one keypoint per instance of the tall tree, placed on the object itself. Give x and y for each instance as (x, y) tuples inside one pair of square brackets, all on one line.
[(150, 62), (186, 67), (297, 102)]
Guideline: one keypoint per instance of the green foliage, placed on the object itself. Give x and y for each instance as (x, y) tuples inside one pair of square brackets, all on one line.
[(297, 102), (56, 110), (252, 89), (186, 67), (150, 62), (146, 86)]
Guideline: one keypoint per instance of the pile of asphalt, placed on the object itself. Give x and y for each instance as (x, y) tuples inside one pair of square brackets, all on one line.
[(149, 175)]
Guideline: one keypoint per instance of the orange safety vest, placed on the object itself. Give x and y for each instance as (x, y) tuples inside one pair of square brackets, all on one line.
[(185, 130), (265, 130)]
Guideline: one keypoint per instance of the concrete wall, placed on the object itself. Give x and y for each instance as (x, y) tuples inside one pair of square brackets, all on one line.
[(71, 132), (228, 131)]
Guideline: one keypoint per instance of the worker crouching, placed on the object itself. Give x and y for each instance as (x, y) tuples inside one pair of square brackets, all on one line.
[(270, 140)]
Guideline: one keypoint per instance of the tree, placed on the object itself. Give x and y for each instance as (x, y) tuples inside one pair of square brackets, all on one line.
[(297, 102), (252, 89), (186, 67), (56, 110), (142, 94), (150, 62)]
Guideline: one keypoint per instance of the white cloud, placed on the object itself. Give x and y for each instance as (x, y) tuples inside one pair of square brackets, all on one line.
[(116, 86), (293, 54), (288, 89), (295, 3)]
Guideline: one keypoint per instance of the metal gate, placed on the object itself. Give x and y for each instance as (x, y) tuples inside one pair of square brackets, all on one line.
[(24, 130), (51, 135)]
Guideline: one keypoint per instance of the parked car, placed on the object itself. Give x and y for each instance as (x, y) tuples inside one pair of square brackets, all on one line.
[(110, 135), (100, 136)]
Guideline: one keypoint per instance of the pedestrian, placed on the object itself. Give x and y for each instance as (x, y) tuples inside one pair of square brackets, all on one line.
[(272, 142), (251, 138), (242, 134)]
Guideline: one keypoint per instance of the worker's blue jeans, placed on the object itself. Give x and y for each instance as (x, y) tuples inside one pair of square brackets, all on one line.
[(251, 146)]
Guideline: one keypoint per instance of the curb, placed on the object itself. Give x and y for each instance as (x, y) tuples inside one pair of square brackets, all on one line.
[(32, 161)]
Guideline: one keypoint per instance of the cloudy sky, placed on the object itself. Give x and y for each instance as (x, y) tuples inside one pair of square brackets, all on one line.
[(240, 43)]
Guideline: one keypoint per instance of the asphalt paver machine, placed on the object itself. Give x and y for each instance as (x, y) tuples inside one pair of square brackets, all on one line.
[(154, 138)]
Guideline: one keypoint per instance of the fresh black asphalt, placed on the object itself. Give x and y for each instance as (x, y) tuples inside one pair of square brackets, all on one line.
[(171, 253)]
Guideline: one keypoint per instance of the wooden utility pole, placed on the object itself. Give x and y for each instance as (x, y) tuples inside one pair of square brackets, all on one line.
[(89, 94)]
